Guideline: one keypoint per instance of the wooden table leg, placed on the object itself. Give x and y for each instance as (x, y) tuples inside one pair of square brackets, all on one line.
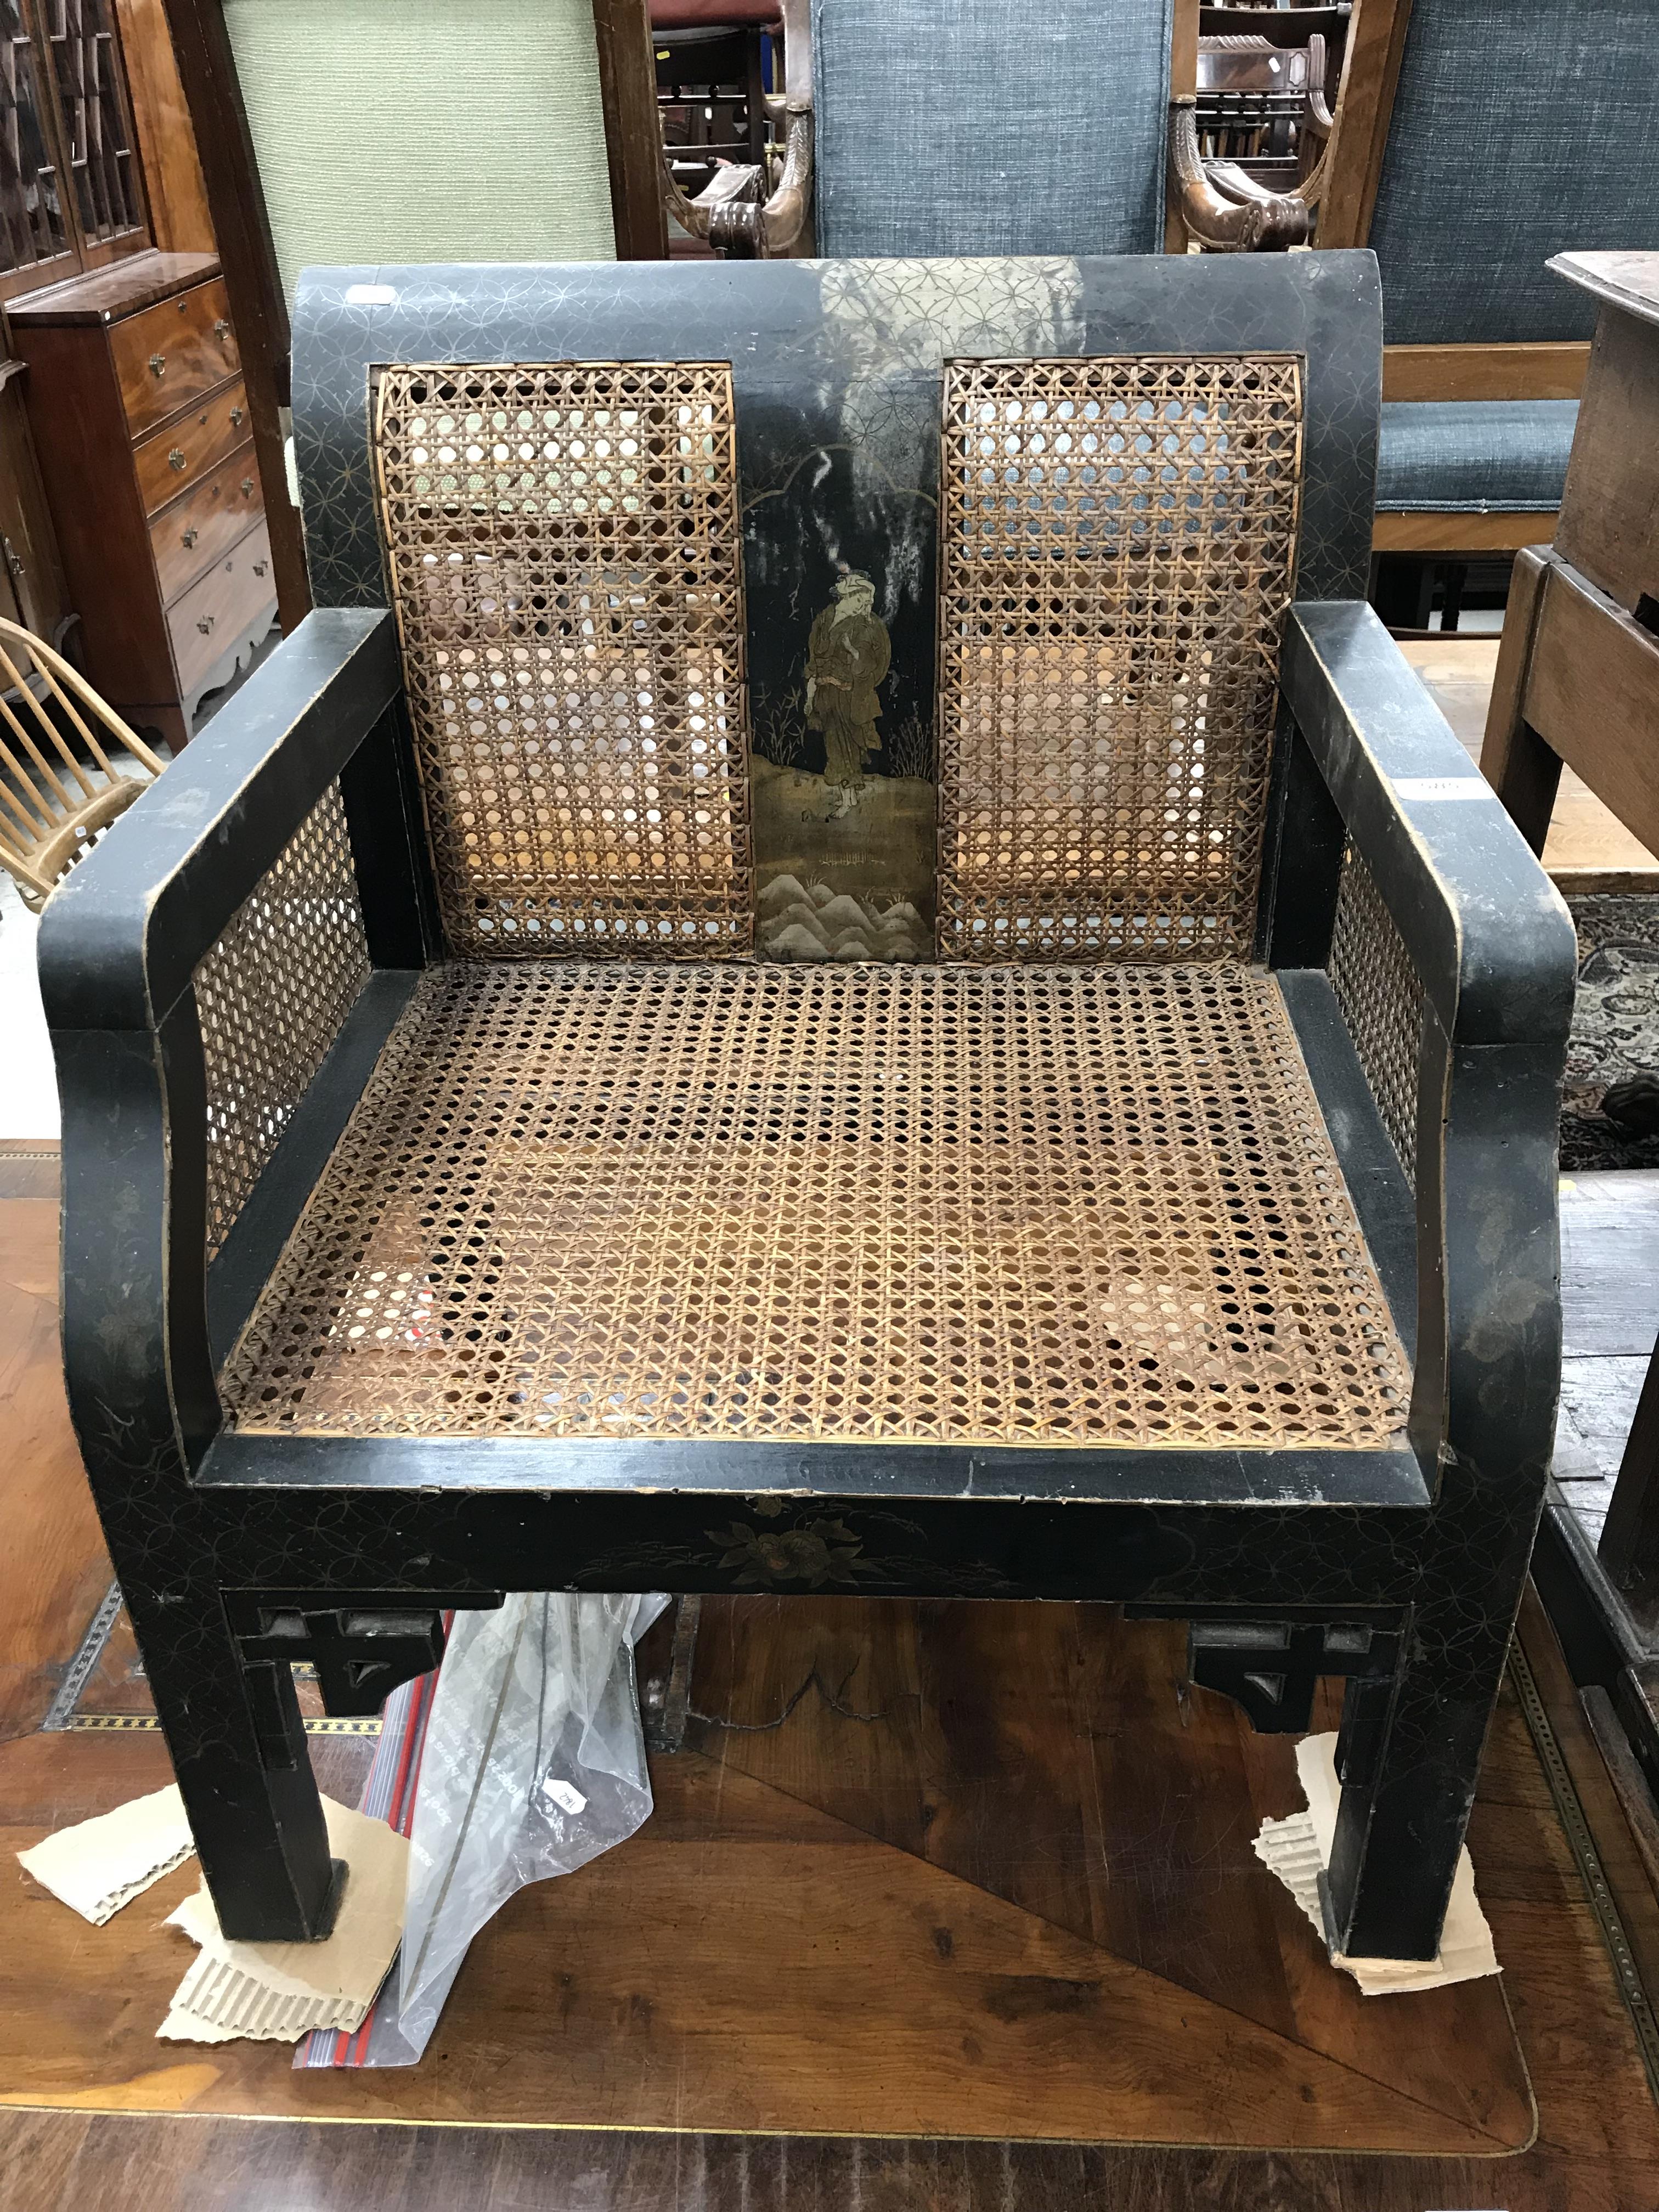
[(1514, 759)]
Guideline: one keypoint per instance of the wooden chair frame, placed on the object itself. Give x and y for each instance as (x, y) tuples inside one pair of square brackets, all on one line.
[(1242, 66), (52, 811), (1399, 1567), (1215, 205), (242, 224), (1353, 170), (1577, 686), (745, 214)]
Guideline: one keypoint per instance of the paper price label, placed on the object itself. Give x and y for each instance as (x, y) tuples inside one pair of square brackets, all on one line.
[(1442, 786)]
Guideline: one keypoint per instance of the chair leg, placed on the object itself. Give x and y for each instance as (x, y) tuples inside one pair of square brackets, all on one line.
[(1514, 759), (1402, 589), (243, 1769), (1409, 1758), (1629, 1548)]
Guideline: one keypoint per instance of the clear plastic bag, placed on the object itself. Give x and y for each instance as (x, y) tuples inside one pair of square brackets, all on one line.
[(534, 1763)]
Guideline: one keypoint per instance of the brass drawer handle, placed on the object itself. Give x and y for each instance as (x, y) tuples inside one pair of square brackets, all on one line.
[(237, 416), (205, 625), (189, 538), (222, 330), (248, 487), (176, 459), (259, 568), (158, 364)]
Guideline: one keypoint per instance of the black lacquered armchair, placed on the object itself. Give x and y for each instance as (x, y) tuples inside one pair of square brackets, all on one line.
[(840, 960)]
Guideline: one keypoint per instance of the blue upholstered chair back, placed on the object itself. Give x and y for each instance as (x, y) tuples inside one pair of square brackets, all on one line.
[(1522, 128), (990, 126)]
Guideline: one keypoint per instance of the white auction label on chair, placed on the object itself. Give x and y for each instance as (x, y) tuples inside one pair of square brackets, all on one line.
[(1442, 786)]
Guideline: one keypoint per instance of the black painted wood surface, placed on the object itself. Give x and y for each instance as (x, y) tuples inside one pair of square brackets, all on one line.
[(1432, 1540)]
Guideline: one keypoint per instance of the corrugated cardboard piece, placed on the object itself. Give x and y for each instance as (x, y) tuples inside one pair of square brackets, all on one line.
[(1298, 1850), (98, 1866), (278, 1992)]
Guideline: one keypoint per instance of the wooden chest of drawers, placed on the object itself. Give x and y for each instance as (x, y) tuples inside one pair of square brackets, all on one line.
[(141, 421)]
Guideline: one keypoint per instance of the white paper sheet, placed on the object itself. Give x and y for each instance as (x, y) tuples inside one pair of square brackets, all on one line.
[(1298, 1850)]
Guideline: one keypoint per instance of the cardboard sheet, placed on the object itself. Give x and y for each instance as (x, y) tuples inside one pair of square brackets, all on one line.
[(280, 1991), (98, 1866), (1298, 1850)]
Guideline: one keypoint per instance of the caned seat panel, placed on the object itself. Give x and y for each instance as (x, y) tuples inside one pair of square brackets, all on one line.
[(1088, 1206), (564, 554), (1117, 542)]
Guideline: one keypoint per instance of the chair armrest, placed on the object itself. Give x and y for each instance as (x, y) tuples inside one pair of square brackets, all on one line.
[(1237, 186), (121, 943), (121, 938), (1259, 221), (737, 217), (1487, 932), (1490, 942)]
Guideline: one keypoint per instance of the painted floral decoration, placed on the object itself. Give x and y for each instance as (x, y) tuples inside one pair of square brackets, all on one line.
[(821, 1551)]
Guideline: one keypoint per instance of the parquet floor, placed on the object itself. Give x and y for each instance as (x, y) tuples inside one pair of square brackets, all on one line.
[(942, 1907)]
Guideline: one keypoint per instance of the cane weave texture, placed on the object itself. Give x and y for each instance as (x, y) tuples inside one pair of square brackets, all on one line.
[(1382, 1002), (1071, 1207), (269, 999), (564, 553), (1117, 543)]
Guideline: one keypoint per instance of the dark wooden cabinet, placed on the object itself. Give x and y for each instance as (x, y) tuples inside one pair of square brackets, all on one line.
[(142, 424)]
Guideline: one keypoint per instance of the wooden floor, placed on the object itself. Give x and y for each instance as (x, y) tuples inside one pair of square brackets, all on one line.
[(53, 1568), (935, 1881), (1589, 848), (1610, 1262)]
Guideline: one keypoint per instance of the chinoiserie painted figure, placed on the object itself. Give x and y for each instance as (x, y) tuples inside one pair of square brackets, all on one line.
[(846, 657)]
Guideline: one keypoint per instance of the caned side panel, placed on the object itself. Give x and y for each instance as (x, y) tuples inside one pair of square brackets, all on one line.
[(270, 997), (1382, 1002)]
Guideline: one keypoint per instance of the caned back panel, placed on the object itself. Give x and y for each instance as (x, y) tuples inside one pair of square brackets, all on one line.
[(564, 559), (1117, 543)]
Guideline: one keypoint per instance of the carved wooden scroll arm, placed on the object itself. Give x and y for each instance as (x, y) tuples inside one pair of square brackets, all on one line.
[(1226, 211), (734, 212)]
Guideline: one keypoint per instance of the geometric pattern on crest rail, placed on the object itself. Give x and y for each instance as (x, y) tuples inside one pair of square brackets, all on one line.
[(270, 996), (1084, 1207), (564, 557), (1117, 543), (1381, 1000)]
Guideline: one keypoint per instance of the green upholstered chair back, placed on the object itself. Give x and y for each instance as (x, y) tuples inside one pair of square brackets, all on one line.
[(1521, 128), (425, 129), (948, 129)]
